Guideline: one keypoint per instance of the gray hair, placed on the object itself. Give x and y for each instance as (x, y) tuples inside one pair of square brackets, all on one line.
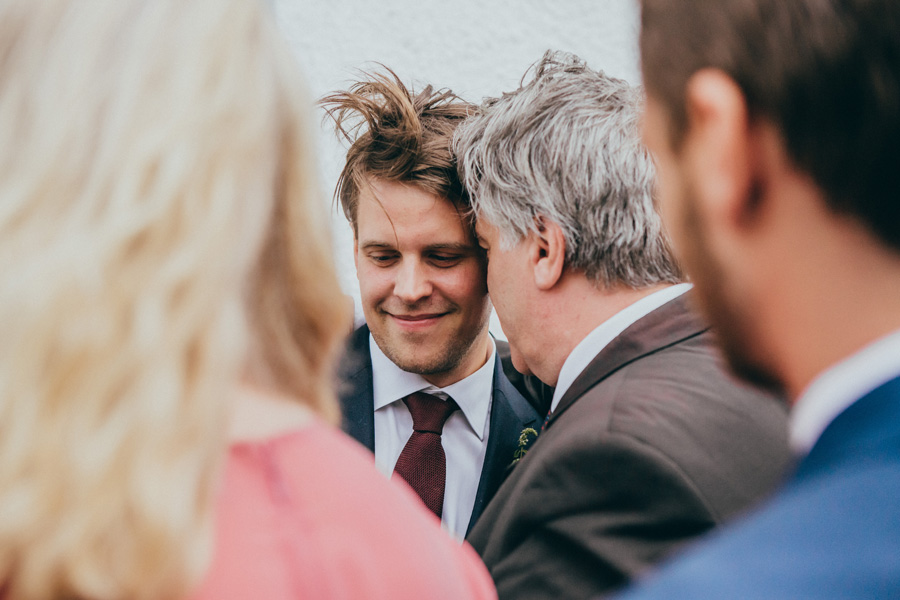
[(566, 146)]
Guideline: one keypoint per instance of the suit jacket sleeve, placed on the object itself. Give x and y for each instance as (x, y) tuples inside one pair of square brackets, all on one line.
[(628, 506)]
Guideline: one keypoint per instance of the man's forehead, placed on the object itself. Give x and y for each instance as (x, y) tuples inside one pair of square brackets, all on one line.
[(402, 196), (483, 227), (405, 206), (487, 232)]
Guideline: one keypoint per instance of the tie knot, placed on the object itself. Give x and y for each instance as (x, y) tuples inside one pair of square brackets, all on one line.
[(428, 412)]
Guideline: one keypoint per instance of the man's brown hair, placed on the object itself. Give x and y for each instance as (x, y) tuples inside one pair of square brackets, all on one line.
[(396, 135), (825, 72)]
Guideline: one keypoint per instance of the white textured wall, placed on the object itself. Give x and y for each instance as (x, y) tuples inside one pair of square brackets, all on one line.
[(477, 48)]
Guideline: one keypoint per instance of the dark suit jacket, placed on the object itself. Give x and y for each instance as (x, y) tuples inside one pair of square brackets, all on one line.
[(832, 532), (652, 445), (510, 414)]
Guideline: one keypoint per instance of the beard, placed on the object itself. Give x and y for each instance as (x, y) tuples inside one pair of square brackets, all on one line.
[(727, 311), (431, 353), (448, 357)]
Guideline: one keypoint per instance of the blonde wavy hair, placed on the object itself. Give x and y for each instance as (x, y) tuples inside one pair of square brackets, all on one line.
[(153, 168)]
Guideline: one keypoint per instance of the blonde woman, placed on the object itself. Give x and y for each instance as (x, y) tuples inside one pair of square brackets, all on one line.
[(165, 284)]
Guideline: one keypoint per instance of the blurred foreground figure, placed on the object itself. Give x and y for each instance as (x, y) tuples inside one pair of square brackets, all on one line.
[(778, 144), (164, 270), (649, 442)]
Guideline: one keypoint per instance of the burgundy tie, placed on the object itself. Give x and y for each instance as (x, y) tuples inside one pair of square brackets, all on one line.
[(422, 463)]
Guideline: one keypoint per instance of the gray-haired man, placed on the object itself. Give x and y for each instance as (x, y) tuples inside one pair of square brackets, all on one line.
[(649, 442)]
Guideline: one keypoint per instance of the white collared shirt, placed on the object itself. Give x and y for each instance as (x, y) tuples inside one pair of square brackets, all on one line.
[(839, 386), (465, 434), (588, 348)]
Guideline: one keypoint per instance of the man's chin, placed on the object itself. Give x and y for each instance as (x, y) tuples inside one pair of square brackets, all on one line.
[(415, 352), (519, 363), (753, 373), (423, 365), (733, 335)]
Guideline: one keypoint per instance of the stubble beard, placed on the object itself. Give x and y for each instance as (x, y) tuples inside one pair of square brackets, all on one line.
[(432, 362), (728, 316)]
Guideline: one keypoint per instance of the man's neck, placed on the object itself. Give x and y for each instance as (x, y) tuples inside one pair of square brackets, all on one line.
[(594, 343), (576, 308)]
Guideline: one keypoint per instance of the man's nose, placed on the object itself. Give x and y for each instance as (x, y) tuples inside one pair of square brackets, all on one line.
[(412, 282)]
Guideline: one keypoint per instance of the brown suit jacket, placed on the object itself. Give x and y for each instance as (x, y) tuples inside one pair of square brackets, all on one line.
[(652, 445)]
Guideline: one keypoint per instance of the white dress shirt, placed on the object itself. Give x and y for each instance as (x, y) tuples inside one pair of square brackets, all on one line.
[(588, 348), (839, 386), (464, 437)]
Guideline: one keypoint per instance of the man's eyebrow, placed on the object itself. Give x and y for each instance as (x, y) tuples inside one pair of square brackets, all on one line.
[(453, 247), (373, 245), (445, 247)]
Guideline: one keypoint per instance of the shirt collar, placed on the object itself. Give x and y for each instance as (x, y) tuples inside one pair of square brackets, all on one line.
[(588, 348), (473, 394), (839, 386)]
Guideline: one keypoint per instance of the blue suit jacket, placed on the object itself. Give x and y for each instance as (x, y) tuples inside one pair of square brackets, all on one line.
[(832, 532), (510, 414)]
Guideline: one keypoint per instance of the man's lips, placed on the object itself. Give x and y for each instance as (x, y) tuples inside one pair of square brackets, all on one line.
[(417, 321), (422, 317)]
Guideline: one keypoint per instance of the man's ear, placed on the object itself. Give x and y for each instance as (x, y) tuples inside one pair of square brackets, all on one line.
[(356, 252), (720, 148), (547, 253)]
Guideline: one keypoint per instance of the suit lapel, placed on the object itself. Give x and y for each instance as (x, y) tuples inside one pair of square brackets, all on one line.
[(355, 393), (508, 419), (669, 324)]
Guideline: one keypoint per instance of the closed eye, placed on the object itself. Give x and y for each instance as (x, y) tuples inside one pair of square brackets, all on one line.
[(383, 259), (443, 260)]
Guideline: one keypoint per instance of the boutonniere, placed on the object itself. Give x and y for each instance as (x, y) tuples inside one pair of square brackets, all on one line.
[(527, 436)]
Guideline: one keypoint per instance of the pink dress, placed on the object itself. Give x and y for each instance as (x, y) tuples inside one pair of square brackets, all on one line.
[(306, 515)]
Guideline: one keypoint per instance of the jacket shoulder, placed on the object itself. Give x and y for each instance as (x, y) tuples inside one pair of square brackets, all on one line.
[(728, 439)]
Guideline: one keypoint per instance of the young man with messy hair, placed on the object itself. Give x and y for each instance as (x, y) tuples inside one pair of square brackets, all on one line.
[(424, 387)]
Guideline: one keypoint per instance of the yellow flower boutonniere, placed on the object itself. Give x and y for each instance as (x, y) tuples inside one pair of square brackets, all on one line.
[(525, 438)]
